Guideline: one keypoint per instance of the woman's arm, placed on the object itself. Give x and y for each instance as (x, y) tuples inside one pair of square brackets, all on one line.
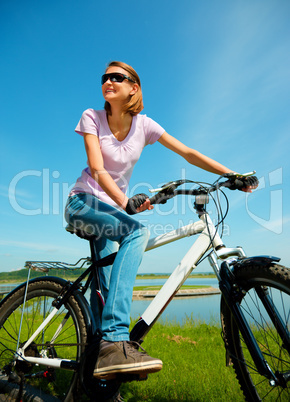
[(192, 156), (98, 172)]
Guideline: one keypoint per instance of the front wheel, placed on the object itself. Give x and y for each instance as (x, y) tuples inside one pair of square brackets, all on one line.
[(64, 337), (276, 280)]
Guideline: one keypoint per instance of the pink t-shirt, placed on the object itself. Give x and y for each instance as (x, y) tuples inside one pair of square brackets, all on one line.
[(119, 157)]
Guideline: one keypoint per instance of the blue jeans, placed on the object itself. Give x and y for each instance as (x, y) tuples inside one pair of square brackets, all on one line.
[(114, 230)]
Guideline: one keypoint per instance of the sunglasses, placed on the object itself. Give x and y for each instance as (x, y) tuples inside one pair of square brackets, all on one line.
[(115, 77)]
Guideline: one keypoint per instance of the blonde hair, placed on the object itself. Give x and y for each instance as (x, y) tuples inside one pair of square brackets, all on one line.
[(135, 104)]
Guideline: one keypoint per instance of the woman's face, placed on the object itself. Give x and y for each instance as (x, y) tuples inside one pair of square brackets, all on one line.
[(118, 92)]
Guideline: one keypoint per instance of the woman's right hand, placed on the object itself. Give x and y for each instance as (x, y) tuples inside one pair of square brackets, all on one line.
[(246, 184)]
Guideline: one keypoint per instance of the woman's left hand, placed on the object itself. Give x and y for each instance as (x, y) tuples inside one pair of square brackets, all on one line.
[(144, 206), (138, 203)]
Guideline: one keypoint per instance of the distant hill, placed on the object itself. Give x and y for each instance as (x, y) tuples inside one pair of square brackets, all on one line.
[(21, 275)]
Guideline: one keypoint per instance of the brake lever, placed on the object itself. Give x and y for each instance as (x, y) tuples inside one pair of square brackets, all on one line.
[(232, 175), (173, 184), (166, 186)]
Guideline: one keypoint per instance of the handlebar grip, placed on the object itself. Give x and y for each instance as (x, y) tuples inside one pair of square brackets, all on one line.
[(227, 183), (155, 199), (237, 184), (152, 200), (160, 198)]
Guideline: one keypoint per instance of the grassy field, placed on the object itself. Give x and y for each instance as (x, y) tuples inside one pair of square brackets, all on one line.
[(193, 356), (194, 367)]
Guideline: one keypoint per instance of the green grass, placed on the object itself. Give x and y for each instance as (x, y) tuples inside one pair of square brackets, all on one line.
[(194, 367), (193, 356)]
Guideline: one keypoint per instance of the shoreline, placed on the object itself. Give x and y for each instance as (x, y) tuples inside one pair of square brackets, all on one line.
[(9, 282), (145, 294)]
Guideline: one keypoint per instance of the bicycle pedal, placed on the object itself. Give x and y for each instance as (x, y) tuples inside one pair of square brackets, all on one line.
[(131, 377), (123, 377), (106, 377), (14, 378)]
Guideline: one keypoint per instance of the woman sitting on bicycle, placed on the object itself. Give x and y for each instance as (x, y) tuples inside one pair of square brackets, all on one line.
[(114, 139)]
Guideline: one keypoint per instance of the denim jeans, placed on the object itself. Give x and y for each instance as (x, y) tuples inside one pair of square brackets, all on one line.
[(114, 230)]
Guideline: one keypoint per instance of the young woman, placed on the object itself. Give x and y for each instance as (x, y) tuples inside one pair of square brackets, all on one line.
[(114, 139)]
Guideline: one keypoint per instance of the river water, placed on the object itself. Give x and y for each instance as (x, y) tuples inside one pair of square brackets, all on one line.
[(202, 308), (199, 308)]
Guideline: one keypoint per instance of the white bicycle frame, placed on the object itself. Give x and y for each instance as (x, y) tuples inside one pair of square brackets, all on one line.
[(208, 239)]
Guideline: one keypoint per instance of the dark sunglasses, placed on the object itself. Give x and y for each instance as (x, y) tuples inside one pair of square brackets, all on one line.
[(115, 77)]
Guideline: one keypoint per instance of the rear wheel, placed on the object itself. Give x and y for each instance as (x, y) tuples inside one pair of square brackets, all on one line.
[(276, 280), (41, 383)]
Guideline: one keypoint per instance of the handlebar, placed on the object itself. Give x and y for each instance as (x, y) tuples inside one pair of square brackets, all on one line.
[(169, 190), (163, 196)]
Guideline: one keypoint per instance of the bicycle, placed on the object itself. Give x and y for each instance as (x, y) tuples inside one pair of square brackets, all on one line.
[(47, 322)]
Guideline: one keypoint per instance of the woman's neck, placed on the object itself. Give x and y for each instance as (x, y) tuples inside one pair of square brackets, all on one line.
[(119, 123)]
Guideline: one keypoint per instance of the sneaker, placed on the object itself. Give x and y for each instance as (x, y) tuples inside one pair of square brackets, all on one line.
[(124, 357)]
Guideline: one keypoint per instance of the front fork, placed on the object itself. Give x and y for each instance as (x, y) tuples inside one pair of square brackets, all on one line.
[(232, 293)]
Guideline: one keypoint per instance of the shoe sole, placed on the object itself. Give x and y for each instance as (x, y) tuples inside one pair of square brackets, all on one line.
[(109, 373)]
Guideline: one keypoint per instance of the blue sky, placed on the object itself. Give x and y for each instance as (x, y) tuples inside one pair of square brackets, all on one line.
[(215, 74)]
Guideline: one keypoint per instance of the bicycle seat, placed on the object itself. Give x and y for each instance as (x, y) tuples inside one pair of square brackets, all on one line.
[(80, 233)]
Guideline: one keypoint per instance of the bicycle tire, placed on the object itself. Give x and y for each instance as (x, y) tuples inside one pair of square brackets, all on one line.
[(277, 280), (53, 384)]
